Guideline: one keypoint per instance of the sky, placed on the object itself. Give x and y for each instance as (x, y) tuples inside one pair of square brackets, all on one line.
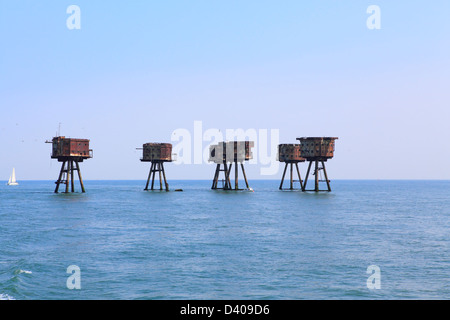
[(141, 71)]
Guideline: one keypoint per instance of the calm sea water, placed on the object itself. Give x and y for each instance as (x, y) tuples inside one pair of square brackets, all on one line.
[(204, 244)]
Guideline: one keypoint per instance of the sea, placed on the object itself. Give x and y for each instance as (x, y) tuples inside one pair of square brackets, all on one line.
[(367, 239)]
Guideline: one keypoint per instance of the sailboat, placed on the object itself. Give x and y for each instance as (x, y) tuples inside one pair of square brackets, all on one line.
[(12, 179)]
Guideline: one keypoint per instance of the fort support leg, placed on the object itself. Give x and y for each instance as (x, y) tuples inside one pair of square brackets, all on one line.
[(292, 178), (245, 176), (236, 180), (225, 173), (153, 175), (227, 176), (79, 177), (164, 176), (68, 176), (282, 178), (61, 172), (160, 178), (149, 176), (316, 176), (299, 176), (72, 180), (306, 178), (326, 176), (216, 177)]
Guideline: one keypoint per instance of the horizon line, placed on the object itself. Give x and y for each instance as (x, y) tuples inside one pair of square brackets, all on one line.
[(355, 179)]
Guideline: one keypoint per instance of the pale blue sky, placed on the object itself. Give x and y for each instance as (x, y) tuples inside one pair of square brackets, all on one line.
[(138, 70)]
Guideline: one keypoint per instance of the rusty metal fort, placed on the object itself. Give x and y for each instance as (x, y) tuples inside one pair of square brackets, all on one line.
[(70, 151), (315, 150)]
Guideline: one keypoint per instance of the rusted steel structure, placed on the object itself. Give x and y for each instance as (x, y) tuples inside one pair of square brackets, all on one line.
[(157, 154), (317, 150), (290, 154), (225, 154), (70, 151)]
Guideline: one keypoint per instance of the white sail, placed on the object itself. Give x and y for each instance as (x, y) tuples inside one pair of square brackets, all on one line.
[(12, 179)]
